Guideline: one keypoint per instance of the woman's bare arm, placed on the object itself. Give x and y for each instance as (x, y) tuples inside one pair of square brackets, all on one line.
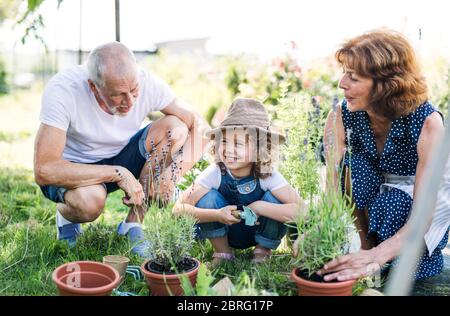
[(361, 263)]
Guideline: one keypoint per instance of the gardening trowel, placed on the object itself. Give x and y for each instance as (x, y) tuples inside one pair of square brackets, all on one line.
[(246, 213)]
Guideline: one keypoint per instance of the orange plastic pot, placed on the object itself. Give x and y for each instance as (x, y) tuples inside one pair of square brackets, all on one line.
[(161, 284), (311, 288), (85, 278)]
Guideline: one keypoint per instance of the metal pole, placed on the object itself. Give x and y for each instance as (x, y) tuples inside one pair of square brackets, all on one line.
[(401, 281), (117, 7), (80, 52)]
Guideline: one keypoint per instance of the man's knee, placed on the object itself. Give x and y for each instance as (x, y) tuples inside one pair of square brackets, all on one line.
[(176, 128), (94, 207), (86, 202)]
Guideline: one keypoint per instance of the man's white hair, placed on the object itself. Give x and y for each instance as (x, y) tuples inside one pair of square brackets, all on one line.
[(109, 55)]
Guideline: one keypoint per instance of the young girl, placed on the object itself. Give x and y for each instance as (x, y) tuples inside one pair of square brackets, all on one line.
[(244, 147)]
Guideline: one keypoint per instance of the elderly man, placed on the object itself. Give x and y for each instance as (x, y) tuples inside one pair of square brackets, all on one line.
[(91, 143)]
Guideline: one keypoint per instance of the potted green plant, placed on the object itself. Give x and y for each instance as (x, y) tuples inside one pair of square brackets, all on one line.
[(171, 239), (323, 235)]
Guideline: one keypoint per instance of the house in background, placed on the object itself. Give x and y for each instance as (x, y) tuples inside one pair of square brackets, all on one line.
[(196, 47), (193, 46), (27, 69), (68, 58)]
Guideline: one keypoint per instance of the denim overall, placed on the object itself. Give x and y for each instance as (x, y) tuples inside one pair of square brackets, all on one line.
[(243, 191)]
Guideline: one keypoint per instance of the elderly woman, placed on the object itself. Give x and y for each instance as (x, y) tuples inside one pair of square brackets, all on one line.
[(383, 133)]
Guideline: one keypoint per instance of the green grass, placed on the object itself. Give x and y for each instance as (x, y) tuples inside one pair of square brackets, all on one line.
[(29, 251)]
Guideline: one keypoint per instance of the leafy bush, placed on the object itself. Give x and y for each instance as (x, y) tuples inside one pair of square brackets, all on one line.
[(442, 93), (246, 77), (203, 286), (171, 238), (245, 286), (286, 70), (192, 174), (234, 78), (322, 79), (301, 153), (198, 81)]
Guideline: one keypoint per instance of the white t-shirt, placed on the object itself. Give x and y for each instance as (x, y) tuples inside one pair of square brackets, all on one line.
[(92, 134), (211, 177)]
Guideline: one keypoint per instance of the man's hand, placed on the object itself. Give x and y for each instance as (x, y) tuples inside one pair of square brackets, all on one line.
[(225, 215), (131, 186), (350, 267)]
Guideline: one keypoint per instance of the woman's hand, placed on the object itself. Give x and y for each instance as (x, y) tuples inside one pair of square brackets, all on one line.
[(225, 216), (351, 266)]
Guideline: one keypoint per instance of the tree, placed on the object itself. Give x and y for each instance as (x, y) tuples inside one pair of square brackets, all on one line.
[(33, 20)]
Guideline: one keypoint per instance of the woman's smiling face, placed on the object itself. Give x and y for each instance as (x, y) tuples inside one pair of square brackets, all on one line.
[(357, 90)]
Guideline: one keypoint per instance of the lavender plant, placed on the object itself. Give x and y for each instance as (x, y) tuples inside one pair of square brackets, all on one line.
[(171, 238), (158, 175), (324, 232)]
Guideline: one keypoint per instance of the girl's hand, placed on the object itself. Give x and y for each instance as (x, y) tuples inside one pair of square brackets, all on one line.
[(349, 267), (226, 217)]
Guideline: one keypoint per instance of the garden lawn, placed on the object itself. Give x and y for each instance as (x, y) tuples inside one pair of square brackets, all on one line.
[(29, 251)]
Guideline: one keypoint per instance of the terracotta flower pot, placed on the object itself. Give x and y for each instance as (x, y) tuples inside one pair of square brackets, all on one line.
[(168, 284), (311, 288), (85, 278), (120, 263)]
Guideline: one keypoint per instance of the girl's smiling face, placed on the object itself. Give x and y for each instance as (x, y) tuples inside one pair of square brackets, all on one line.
[(235, 149)]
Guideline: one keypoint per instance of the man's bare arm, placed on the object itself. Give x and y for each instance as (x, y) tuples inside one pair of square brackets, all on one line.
[(197, 141), (178, 109), (51, 169)]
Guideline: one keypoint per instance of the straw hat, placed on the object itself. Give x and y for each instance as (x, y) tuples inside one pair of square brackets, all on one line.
[(247, 113)]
